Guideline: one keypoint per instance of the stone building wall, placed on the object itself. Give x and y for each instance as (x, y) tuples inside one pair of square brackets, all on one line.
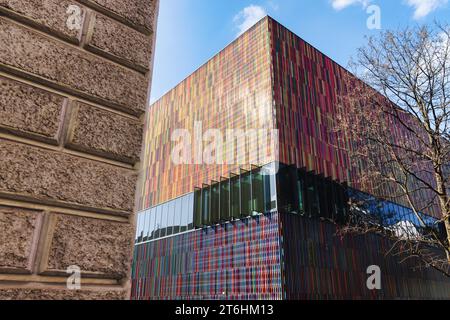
[(74, 83)]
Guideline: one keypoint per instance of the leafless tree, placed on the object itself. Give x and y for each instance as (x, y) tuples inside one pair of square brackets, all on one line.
[(399, 140)]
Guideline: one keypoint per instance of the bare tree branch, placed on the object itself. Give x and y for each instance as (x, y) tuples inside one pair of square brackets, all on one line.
[(395, 127)]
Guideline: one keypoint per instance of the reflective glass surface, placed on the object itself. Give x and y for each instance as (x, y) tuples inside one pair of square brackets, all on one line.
[(235, 197), (206, 205), (171, 218), (404, 222), (158, 221), (166, 219), (246, 194), (189, 215), (225, 214), (255, 192), (152, 229), (215, 203)]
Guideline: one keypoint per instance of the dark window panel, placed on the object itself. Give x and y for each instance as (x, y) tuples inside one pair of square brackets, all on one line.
[(215, 203), (257, 191), (225, 214), (310, 194), (235, 197), (322, 196), (206, 205), (288, 196), (328, 207), (333, 197), (198, 208), (301, 191), (293, 187), (316, 200), (341, 201), (346, 202), (246, 194)]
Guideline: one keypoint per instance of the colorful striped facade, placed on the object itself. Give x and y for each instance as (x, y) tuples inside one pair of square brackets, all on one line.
[(239, 260), (231, 91), (320, 265), (273, 257), (268, 78), (306, 87)]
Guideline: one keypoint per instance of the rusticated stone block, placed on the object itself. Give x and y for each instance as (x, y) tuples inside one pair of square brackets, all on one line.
[(105, 133), (48, 293), (29, 111), (49, 15), (120, 43), (70, 69), (140, 13), (98, 247), (40, 175), (18, 236)]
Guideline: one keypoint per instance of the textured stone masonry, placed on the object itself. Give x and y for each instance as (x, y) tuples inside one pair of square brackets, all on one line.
[(49, 293), (140, 13), (29, 111), (61, 179), (48, 15), (17, 238), (98, 247), (119, 42), (74, 79), (104, 133), (71, 69)]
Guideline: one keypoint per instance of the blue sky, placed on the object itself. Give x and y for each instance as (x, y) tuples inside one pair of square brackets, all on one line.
[(192, 31)]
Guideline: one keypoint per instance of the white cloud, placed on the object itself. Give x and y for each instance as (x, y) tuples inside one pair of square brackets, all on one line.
[(342, 4), (424, 7), (246, 18)]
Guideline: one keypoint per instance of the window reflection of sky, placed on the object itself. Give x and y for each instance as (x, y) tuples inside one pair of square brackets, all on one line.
[(169, 218), (389, 213), (177, 216)]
